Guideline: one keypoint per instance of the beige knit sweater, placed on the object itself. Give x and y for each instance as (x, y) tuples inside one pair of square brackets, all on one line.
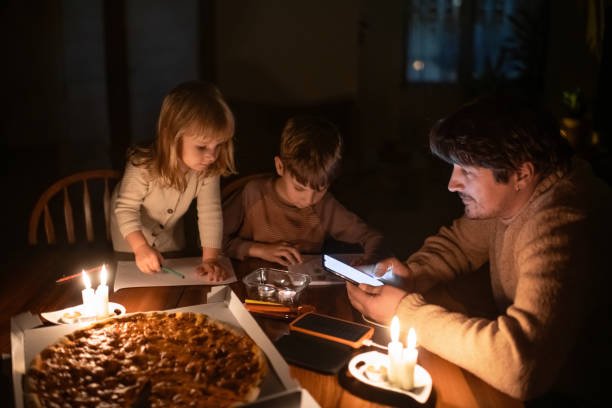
[(139, 203), (550, 274)]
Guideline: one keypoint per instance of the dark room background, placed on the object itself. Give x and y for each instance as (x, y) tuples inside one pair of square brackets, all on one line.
[(83, 80)]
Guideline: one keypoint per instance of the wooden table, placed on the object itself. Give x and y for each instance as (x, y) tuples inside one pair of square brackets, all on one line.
[(27, 284)]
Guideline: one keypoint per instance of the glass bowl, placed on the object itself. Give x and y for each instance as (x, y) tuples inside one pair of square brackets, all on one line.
[(275, 285)]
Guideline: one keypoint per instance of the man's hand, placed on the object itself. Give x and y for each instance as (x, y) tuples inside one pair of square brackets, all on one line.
[(283, 253), (148, 259), (213, 270), (378, 303), (397, 267)]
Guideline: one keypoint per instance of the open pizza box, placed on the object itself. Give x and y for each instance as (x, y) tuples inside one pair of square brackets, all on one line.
[(278, 389)]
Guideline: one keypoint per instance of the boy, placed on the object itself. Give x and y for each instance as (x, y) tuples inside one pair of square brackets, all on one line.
[(278, 218)]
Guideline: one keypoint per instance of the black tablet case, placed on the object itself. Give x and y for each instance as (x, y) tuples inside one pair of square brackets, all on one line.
[(314, 353)]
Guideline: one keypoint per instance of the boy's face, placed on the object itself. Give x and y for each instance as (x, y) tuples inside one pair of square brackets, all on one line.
[(292, 191)]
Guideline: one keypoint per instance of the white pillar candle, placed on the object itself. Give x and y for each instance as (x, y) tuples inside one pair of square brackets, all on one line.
[(409, 361), (394, 349), (102, 294), (88, 296)]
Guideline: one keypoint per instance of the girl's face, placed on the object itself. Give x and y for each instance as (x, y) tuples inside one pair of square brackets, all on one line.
[(199, 153)]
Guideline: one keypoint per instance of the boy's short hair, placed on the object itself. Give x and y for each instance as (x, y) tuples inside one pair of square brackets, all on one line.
[(311, 149), (501, 132)]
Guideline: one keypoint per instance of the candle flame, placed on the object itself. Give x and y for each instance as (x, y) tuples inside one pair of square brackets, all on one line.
[(86, 280), (103, 275), (411, 340), (395, 328)]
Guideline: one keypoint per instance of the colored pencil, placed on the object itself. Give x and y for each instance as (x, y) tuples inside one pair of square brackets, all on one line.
[(76, 275), (170, 270)]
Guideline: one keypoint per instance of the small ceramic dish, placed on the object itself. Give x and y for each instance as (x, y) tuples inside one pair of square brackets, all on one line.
[(361, 367), (74, 314)]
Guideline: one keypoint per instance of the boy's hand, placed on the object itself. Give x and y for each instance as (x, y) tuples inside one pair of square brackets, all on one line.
[(362, 260), (282, 253), (148, 259), (213, 269)]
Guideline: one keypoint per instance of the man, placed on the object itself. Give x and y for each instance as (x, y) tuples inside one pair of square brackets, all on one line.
[(540, 219)]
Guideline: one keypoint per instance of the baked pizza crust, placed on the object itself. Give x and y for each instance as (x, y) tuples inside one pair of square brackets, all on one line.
[(149, 359)]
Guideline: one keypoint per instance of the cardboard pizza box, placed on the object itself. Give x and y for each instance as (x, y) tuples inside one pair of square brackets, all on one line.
[(277, 389)]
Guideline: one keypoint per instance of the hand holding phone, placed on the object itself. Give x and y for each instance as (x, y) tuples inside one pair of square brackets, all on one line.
[(348, 272)]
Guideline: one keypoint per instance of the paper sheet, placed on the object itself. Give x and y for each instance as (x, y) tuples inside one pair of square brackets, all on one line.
[(129, 276)]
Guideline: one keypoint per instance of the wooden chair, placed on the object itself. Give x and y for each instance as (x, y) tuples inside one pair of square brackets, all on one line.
[(69, 187), (236, 185)]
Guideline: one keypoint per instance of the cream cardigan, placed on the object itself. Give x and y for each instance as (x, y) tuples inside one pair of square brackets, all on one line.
[(550, 275), (140, 204)]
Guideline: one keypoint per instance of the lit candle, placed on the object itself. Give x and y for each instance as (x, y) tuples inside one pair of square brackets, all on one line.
[(88, 296), (409, 360), (394, 349), (102, 294)]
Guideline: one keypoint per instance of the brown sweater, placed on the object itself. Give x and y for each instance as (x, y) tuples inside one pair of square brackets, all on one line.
[(258, 214), (550, 274)]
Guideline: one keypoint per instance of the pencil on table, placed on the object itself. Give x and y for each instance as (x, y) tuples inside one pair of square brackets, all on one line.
[(76, 275), (170, 270)]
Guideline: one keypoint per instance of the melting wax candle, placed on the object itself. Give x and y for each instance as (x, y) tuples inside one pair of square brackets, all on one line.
[(102, 294), (395, 348), (88, 296), (409, 360)]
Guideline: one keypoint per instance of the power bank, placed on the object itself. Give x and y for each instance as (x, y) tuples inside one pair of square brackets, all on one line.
[(332, 328)]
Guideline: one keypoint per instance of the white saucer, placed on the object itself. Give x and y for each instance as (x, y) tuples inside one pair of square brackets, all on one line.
[(422, 380), (70, 314)]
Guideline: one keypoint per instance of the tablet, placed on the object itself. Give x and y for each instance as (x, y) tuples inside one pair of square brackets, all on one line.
[(348, 272)]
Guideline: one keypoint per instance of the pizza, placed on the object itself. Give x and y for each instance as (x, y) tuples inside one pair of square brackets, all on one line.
[(148, 359)]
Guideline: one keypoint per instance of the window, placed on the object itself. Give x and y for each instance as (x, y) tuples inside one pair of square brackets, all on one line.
[(451, 41)]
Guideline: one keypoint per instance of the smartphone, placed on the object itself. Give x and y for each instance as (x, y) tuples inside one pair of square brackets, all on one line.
[(332, 328), (350, 273)]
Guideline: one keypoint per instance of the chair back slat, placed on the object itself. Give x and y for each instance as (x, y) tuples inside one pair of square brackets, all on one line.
[(49, 230), (68, 218), (91, 198), (89, 228), (107, 199)]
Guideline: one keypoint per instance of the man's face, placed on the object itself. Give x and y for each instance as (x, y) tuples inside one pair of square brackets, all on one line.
[(483, 196)]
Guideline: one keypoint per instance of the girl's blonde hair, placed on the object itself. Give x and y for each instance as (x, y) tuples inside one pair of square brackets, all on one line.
[(200, 108)]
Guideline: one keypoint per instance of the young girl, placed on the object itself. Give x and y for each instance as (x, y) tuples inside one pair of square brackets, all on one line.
[(194, 147)]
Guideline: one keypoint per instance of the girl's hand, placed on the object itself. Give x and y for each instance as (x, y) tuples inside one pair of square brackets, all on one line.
[(213, 270), (283, 253), (148, 259)]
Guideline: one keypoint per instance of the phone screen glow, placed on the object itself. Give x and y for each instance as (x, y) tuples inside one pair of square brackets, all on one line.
[(349, 272)]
